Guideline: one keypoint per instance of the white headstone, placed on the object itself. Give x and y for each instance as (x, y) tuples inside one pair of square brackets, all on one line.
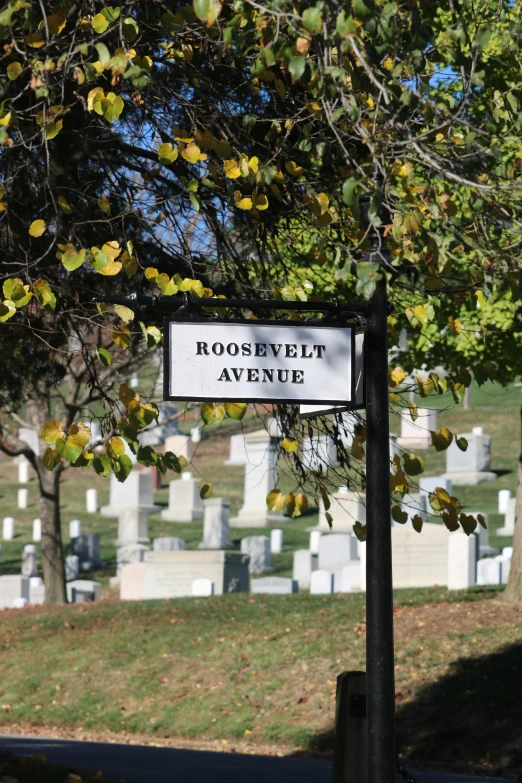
[(304, 563), (319, 454), (129, 554), (134, 382), (75, 528), (19, 603), (350, 578), (260, 479), (276, 541), (337, 550), (258, 548), (477, 430), (23, 473), (505, 566), (315, 536), (29, 561), (414, 505), (462, 560), (195, 434), (72, 567), (489, 571), (37, 529), (472, 466), (11, 588), (81, 590), (31, 438), (91, 501), (504, 496), (136, 492), (23, 498), (168, 544), (274, 585), (416, 434), (180, 445), (8, 528), (346, 508), (237, 454), (507, 551), (216, 527), (321, 582), (509, 519), (185, 504), (133, 527), (36, 590), (428, 484), (202, 588)]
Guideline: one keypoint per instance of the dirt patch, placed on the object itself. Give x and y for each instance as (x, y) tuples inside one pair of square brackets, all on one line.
[(436, 620)]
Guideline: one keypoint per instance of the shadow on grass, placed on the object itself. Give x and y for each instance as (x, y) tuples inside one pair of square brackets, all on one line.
[(472, 716)]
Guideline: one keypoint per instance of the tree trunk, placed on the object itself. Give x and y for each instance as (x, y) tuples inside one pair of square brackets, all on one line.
[(52, 549), (513, 591)]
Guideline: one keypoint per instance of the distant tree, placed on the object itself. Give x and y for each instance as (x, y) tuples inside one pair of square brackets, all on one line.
[(278, 149)]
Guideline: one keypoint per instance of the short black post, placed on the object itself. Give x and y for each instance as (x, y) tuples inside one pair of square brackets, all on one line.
[(379, 595), (350, 764)]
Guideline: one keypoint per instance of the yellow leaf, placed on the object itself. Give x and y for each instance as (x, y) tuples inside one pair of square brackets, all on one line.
[(275, 500), (191, 153), (79, 434), (260, 201), (125, 313), (50, 458), (116, 446), (388, 63), (34, 41), (280, 88), (151, 273), (111, 268), (104, 205), (13, 71), (95, 96), (6, 119), (242, 202), (232, 170), (397, 376), (112, 249), (121, 336), (253, 165), (321, 203), (294, 169), (290, 444), (455, 325), (167, 153), (55, 23), (127, 395), (205, 489), (51, 431), (37, 228), (62, 201)]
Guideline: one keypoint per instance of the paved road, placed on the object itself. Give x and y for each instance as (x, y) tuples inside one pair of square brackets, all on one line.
[(143, 764)]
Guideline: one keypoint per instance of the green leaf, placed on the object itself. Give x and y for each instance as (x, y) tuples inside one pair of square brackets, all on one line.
[(326, 498), (236, 410), (468, 522), (130, 29), (99, 23), (367, 277), (462, 443), (205, 489), (103, 53), (313, 20), (441, 439), (111, 13), (112, 106), (50, 458), (351, 188), (147, 456), (297, 67), (212, 412), (417, 523), (122, 467), (13, 71), (413, 464), (363, 9), (360, 531), (68, 450), (174, 463), (201, 8), (195, 200), (167, 153), (399, 515), (73, 260), (104, 356)]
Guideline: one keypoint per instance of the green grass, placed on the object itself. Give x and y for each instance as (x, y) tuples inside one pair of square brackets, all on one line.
[(258, 668)]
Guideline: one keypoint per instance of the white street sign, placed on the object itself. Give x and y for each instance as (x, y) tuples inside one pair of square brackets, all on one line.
[(311, 411), (261, 362)]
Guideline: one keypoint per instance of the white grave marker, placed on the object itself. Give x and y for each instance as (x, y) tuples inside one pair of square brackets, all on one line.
[(23, 473), (91, 501), (23, 498), (321, 582), (37, 529), (8, 528), (75, 528), (202, 588), (276, 541)]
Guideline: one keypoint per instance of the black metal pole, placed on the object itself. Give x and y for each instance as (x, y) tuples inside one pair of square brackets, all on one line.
[(379, 596)]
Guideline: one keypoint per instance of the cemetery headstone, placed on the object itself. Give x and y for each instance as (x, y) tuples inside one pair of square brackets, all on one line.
[(350, 580), (170, 574), (127, 555), (337, 550), (23, 473), (29, 561), (8, 528), (274, 585), (416, 434), (237, 454), (87, 548), (509, 519), (135, 493), (185, 504), (216, 527), (72, 567), (258, 549), (31, 438), (80, 591), (485, 550), (23, 498), (260, 479), (504, 496), (167, 425), (276, 541), (180, 445), (75, 528), (319, 454), (11, 588), (202, 588), (304, 563), (134, 382), (20, 603), (195, 435), (315, 536), (346, 508), (321, 582), (133, 527), (37, 530), (507, 551), (463, 554), (472, 466), (428, 484), (91, 501), (505, 567), (489, 571), (168, 544), (36, 590)]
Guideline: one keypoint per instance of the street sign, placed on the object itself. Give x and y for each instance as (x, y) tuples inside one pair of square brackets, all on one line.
[(311, 411), (263, 361)]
